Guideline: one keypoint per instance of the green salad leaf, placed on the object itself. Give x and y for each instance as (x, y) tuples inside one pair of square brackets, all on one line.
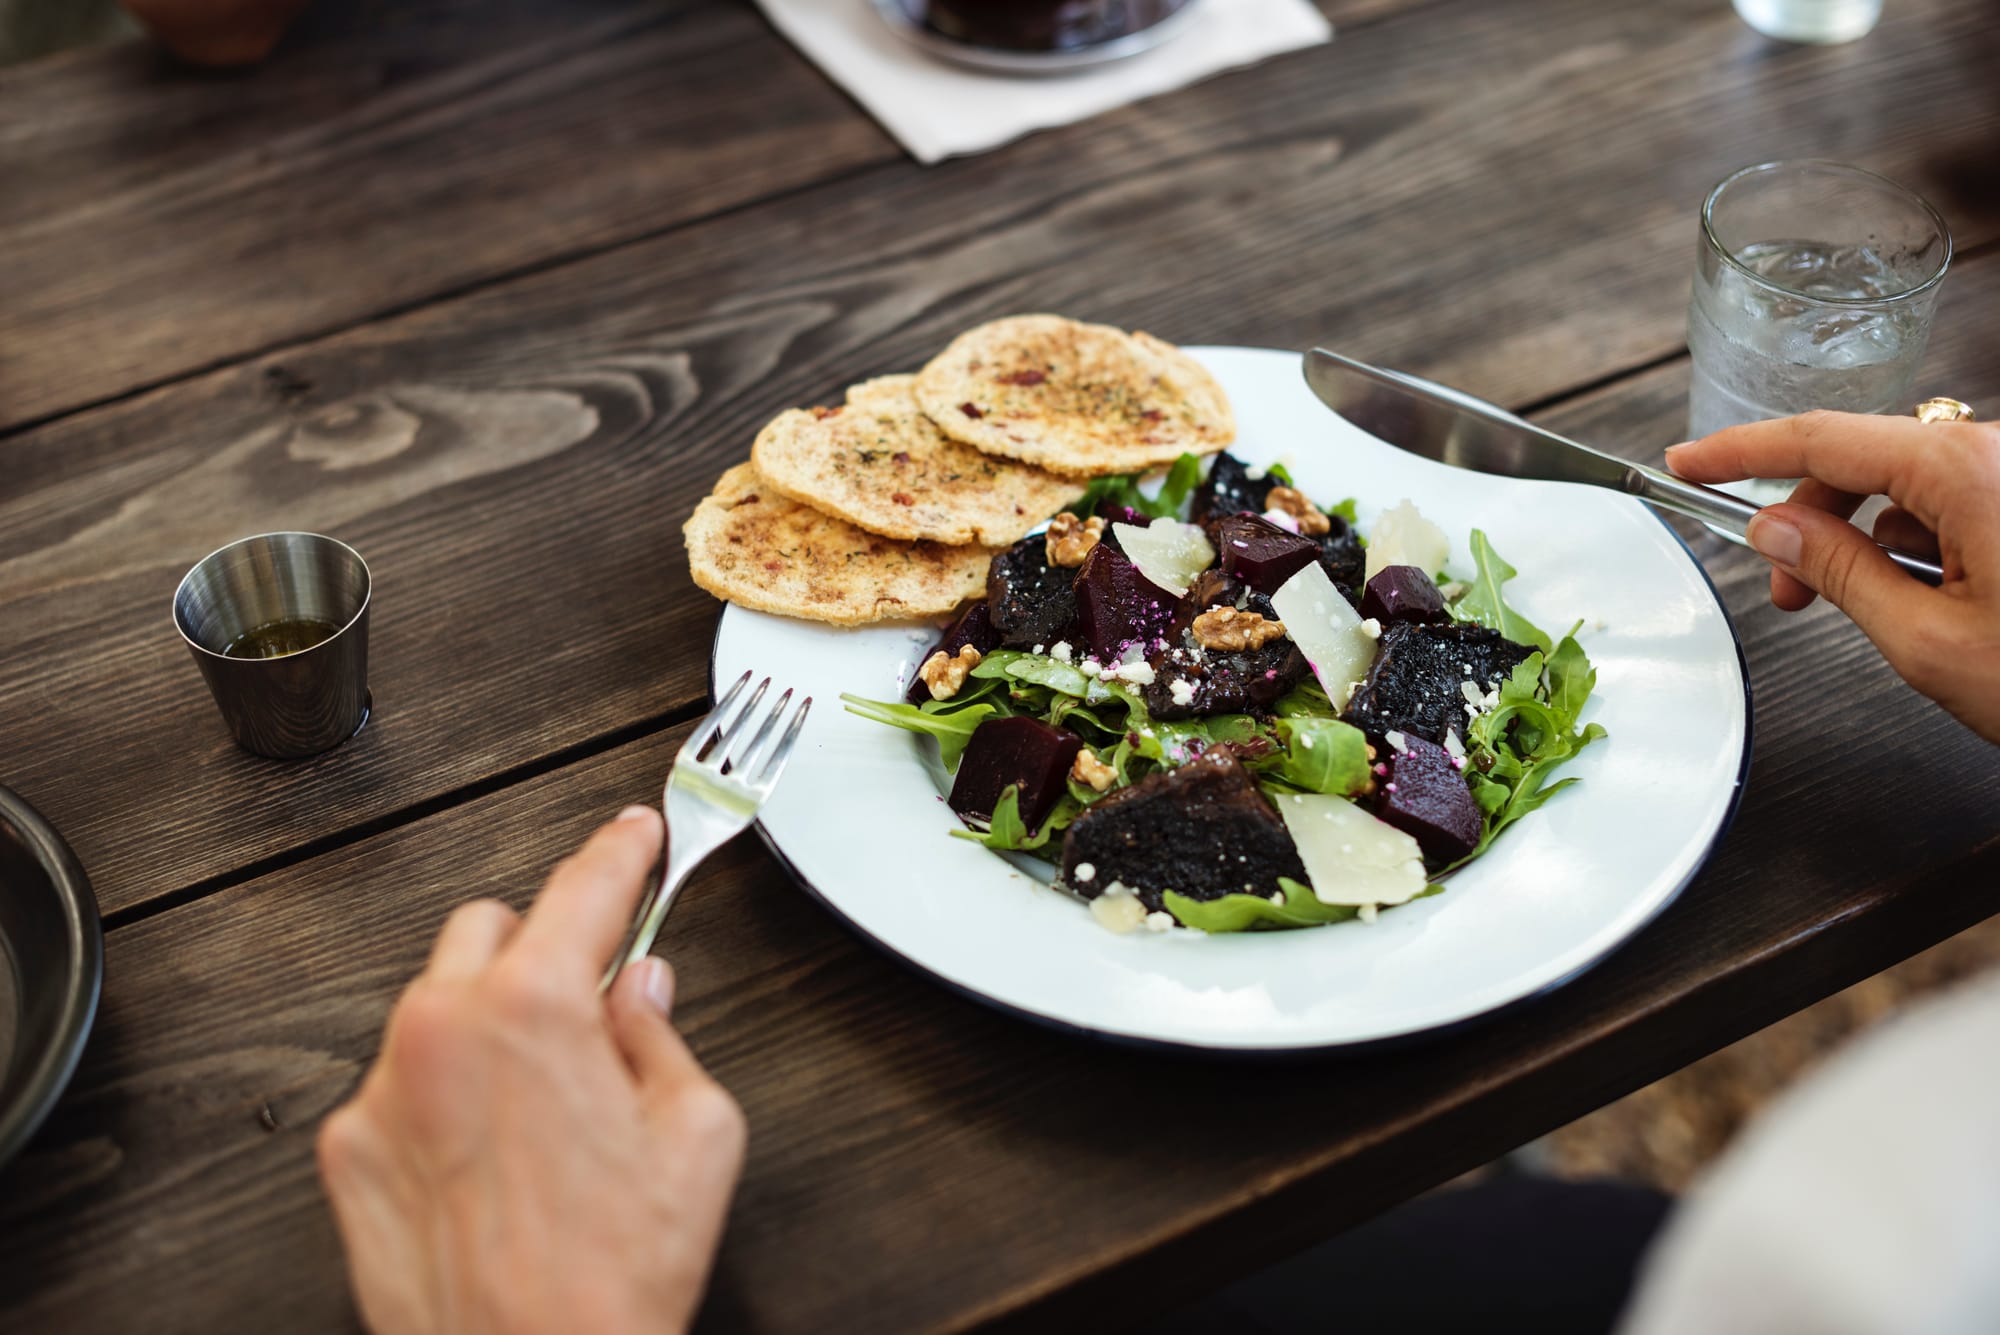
[(1300, 907), (1347, 510), (1007, 832), (1484, 603), (1319, 755), (952, 728), (1182, 477)]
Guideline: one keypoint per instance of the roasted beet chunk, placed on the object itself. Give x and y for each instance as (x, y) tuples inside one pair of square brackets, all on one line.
[(1122, 514), (1228, 489), (1416, 686), (1426, 797), (1203, 830), (1117, 607), (1403, 593), (1343, 556), (973, 626), (1024, 752), (1028, 600), (1192, 682), (1260, 553)]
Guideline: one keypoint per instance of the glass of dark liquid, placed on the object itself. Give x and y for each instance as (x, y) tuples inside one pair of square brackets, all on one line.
[(278, 625), (1042, 25)]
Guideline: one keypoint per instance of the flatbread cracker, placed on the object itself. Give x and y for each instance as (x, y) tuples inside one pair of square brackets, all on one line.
[(752, 546), (880, 463), (1077, 399)]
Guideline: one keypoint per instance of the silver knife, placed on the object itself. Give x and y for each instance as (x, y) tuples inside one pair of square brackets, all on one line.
[(1454, 428)]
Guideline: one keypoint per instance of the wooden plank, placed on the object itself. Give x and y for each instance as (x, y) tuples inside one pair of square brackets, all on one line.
[(159, 220), (515, 463), (917, 1162)]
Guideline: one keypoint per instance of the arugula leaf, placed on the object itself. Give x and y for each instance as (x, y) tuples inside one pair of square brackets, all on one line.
[(1320, 755), (1006, 831), (1182, 479), (953, 729), (1346, 510), (1280, 472), (1251, 913), (1571, 677), (1515, 747), (1484, 603)]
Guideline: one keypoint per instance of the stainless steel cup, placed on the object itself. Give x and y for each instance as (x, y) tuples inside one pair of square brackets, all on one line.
[(288, 704)]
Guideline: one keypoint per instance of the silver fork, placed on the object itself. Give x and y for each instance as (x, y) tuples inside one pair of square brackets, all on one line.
[(712, 794)]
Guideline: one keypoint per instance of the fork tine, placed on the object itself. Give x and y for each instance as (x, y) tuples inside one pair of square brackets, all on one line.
[(729, 730), (783, 751), (744, 759), (699, 739)]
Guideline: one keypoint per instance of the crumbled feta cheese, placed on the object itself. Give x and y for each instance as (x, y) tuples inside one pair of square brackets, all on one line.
[(1397, 741), (1085, 872), (1118, 913), (1182, 691), (1060, 651), (1369, 912), (1282, 520), (1139, 673), (1472, 693), (1159, 921), (1090, 667), (1372, 628), (1452, 744), (1255, 472), (1037, 649), (1306, 741)]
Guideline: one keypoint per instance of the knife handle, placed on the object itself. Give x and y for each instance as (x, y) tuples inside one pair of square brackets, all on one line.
[(1732, 514)]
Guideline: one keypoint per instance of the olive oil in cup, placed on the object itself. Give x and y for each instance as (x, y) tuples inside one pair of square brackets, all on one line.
[(278, 625)]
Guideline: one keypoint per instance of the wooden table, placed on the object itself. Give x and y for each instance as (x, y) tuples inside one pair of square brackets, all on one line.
[(494, 288)]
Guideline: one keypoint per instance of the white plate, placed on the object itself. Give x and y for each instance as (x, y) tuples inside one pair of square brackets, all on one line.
[(861, 823)]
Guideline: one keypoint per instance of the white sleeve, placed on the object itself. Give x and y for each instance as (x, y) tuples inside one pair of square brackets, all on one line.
[(1867, 1202)]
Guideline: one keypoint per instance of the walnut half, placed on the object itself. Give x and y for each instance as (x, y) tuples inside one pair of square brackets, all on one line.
[(945, 675), (1311, 521), (1070, 539), (1088, 769), (1231, 629)]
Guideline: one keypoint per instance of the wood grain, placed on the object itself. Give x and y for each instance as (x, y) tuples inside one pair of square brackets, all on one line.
[(159, 220), (515, 462)]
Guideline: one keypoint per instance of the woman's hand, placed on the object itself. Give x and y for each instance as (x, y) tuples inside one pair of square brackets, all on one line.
[(524, 1155), (1944, 480)]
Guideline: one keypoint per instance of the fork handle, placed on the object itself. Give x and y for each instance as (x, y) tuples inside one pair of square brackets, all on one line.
[(683, 856), (1732, 513)]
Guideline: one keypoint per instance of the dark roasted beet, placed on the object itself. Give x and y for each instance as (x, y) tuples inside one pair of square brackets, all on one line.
[(1259, 552), (1022, 751), (1242, 682), (1203, 830), (1229, 489), (973, 626), (1343, 557), (1117, 607), (1416, 685), (1403, 593), (1029, 601), (1123, 514), (1426, 797)]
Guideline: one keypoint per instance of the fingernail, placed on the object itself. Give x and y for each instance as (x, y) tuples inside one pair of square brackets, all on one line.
[(1672, 450), (1775, 539), (636, 813), (658, 984)]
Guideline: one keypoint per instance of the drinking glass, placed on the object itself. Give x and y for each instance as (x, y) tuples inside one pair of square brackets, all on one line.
[(1814, 287)]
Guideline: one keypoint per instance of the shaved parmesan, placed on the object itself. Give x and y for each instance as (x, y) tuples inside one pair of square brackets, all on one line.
[(1402, 537), (1349, 856), (1327, 631), (1168, 553)]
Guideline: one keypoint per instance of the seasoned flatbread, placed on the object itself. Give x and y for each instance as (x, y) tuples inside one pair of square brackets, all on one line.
[(752, 546), (1077, 399), (880, 463)]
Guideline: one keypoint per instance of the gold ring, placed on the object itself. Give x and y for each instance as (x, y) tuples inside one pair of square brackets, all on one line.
[(1943, 410)]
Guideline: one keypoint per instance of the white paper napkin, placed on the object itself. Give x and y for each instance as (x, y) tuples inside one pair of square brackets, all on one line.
[(939, 110)]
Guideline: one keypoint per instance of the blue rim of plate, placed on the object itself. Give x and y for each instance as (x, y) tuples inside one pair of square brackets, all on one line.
[(1360, 1047), (52, 1067)]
